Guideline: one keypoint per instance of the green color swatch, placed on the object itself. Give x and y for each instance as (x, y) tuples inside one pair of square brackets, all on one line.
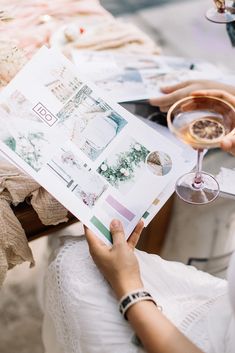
[(96, 222)]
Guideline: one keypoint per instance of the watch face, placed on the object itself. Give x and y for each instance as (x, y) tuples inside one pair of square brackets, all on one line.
[(126, 301)]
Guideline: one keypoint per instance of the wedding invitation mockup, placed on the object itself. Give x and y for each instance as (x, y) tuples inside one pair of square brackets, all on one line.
[(132, 77), (97, 159)]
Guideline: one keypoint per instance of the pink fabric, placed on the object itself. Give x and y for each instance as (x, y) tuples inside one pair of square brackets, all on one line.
[(35, 20)]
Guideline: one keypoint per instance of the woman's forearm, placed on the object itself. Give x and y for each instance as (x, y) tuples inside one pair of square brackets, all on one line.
[(156, 332)]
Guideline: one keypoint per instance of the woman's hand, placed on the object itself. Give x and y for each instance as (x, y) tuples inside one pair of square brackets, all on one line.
[(120, 267), (228, 143), (184, 89), (118, 263)]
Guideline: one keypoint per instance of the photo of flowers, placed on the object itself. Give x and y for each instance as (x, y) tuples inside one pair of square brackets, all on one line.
[(82, 182), (63, 83), (124, 166), (23, 132), (159, 163), (90, 122)]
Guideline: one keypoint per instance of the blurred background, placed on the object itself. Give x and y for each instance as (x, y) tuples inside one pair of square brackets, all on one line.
[(179, 26), (118, 8)]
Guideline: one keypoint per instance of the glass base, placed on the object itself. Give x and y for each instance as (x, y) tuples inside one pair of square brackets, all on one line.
[(204, 193), (215, 16)]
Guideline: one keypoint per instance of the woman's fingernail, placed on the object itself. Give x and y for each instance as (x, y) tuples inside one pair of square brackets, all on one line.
[(115, 223)]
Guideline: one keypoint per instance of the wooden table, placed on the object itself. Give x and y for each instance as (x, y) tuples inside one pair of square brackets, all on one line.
[(32, 225)]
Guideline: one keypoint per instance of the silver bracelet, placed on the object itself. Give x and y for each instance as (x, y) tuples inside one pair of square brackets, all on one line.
[(132, 298)]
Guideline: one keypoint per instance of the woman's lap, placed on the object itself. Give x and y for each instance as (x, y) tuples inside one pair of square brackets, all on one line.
[(85, 311)]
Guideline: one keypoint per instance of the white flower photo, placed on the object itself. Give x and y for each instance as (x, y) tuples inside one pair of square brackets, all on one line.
[(124, 166)]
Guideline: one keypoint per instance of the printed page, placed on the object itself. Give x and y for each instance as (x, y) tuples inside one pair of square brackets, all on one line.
[(128, 77), (92, 155)]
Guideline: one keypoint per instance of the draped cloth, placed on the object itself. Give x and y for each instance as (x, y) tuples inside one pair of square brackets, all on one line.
[(37, 20), (15, 187)]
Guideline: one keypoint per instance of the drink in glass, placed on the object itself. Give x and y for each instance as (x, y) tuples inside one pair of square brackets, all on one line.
[(201, 122)]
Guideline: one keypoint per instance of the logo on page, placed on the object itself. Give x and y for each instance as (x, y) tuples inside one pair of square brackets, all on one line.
[(45, 114)]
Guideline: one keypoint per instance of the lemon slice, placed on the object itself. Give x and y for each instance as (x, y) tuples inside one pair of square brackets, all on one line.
[(206, 130)]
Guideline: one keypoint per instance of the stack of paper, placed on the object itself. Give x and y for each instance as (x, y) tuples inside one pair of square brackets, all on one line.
[(128, 77)]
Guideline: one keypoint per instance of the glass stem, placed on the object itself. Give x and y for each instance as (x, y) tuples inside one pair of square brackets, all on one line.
[(198, 181)]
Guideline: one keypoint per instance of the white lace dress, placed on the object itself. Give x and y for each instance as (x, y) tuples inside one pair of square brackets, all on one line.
[(84, 312)]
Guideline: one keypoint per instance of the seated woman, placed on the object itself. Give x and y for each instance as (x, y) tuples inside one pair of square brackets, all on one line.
[(169, 307)]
